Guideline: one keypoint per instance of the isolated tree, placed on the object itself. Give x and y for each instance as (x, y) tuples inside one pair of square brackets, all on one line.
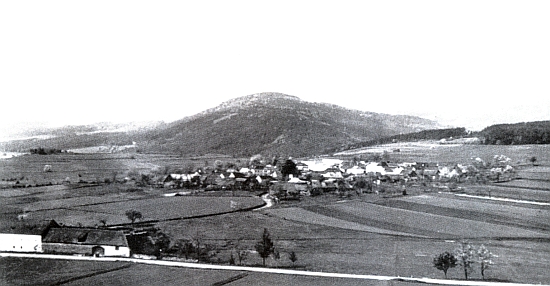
[(444, 261), (133, 215), (466, 255), (202, 249), (103, 222), (218, 165), (265, 246), (484, 256), (288, 168), (533, 160), (232, 259), (114, 174), (293, 257), (241, 250), (161, 241), (183, 247)]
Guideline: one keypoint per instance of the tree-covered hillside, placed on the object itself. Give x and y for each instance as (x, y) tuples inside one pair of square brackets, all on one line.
[(537, 132), (273, 123)]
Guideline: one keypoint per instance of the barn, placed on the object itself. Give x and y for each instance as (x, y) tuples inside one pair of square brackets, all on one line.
[(14, 242), (25, 235), (86, 241)]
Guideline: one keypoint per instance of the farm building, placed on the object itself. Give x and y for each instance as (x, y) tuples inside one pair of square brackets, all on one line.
[(13, 242), (25, 236), (86, 241)]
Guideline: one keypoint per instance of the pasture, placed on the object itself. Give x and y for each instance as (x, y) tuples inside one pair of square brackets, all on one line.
[(432, 151)]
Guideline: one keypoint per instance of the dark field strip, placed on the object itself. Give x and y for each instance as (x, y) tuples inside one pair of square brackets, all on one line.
[(76, 278), (541, 185), (499, 190), (374, 223), (463, 214)]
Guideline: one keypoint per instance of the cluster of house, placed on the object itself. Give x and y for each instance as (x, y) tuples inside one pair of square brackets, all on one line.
[(50, 237), (315, 173)]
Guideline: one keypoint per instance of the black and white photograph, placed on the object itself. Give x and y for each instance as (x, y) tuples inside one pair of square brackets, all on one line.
[(387, 143)]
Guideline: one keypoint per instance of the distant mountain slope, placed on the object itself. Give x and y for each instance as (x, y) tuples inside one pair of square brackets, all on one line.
[(76, 136), (266, 123), (274, 123)]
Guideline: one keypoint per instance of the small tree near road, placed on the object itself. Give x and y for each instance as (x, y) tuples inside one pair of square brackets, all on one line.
[(444, 261), (466, 255), (133, 215), (265, 246), (103, 222), (293, 257), (184, 247), (484, 256)]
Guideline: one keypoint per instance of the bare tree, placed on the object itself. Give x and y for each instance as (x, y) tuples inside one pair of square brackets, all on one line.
[(466, 255), (293, 257), (241, 251), (484, 256)]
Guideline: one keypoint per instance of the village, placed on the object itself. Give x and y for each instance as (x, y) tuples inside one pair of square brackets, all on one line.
[(297, 178)]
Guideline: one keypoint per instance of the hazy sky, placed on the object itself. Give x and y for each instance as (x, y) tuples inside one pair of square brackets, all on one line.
[(465, 63)]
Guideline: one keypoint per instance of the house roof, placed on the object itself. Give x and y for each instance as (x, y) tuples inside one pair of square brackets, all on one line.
[(86, 236), (32, 227)]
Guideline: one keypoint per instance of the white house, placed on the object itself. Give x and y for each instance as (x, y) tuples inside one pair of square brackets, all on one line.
[(355, 170), (20, 242), (320, 165)]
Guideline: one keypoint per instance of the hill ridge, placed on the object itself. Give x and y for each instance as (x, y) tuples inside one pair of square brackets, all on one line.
[(277, 123)]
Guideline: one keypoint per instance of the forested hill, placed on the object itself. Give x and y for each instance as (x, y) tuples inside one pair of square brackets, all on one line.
[(274, 123), (537, 132)]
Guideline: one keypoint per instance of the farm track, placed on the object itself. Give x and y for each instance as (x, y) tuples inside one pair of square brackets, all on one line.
[(509, 185)]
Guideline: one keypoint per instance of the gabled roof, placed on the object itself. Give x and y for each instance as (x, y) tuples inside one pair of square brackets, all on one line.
[(31, 227), (86, 236)]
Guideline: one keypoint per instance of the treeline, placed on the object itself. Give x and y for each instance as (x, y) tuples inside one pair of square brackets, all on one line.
[(431, 134), (537, 132), (45, 151)]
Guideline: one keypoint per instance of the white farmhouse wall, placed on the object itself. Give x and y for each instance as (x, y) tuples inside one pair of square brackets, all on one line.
[(20, 242), (85, 249), (116, 250)]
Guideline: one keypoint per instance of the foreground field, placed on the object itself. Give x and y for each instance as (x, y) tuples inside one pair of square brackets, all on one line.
[(104, 273)]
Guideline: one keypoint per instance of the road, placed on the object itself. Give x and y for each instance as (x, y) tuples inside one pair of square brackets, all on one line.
[(264, 270)]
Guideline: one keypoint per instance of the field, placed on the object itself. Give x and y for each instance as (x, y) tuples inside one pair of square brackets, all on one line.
[(432, 151), (380, 234)]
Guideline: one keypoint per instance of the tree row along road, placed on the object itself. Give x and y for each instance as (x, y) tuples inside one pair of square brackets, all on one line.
[(263, 270)]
